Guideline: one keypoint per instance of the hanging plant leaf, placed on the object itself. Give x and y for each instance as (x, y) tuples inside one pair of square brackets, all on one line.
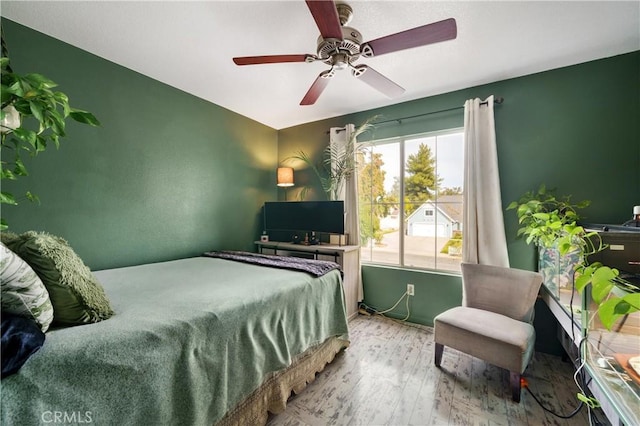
[(607, 312), (6, 198), (84, 117), (28, 136), (19, 168), (602, 282), (32, 197), (36, 110), (39, 81)]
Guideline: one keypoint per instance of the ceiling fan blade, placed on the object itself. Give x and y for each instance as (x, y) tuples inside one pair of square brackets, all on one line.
[(317, 88), (270, 59), (419, 36), (376, 80), (326, 16)]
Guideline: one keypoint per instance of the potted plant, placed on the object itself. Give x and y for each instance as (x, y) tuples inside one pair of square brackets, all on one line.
[(337, 163), (32, 115), (549, 221)]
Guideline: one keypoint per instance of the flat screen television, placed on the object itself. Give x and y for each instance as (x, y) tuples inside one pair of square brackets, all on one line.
[(319, 216)]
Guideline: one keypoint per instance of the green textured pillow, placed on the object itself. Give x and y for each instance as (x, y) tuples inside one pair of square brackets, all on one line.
[(23, 293), (76, 295)]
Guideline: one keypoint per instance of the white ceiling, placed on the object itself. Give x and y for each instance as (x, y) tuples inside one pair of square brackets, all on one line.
[(190, 45)]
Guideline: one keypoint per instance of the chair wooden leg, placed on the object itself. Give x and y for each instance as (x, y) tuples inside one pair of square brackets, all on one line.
[(438, 354), (514, 382)]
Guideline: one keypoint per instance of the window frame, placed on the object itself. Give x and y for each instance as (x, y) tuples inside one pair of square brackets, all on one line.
[(401, 140)]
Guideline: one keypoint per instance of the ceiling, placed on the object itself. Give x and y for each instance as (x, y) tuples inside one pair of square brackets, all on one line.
[(190, 45)]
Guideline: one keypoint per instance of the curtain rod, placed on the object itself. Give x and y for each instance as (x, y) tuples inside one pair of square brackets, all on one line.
[(497, 101)]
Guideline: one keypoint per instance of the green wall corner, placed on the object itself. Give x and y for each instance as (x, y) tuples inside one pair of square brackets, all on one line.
[(167, 175)]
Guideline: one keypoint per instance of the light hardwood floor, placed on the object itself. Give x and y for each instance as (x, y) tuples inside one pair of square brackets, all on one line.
[(387, 377)]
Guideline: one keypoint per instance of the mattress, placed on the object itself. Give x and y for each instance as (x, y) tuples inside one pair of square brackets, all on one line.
[(190, 340)]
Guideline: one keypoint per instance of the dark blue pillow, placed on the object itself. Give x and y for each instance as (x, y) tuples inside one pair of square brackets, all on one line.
[(21, 338)]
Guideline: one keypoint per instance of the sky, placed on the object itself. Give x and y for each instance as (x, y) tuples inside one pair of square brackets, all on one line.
[(448, 148)]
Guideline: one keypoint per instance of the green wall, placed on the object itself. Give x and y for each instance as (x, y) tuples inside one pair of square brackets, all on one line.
[(166, 176), (574, 128), (383, 286)]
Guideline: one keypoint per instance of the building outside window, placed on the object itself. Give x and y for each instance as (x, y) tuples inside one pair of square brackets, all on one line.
[(410, 200)]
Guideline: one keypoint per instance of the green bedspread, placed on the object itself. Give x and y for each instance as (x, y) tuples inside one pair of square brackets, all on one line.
[(189, 340)]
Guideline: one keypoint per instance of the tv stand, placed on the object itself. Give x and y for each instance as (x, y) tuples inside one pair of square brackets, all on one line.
[(348, 257)]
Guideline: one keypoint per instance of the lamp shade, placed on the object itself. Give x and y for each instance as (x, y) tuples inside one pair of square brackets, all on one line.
[(285, 176)]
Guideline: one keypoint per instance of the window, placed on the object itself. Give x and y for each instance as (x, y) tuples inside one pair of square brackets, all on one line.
[(410, 200)]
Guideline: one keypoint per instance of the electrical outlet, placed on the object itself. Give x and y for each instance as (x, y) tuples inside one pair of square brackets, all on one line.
[(410, 289)]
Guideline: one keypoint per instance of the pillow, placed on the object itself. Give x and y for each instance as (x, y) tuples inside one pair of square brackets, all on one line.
[(23, 293), (21, 338), (76, 295)]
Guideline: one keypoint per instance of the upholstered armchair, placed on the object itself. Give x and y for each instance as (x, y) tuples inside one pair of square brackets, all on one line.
[(494, 322)]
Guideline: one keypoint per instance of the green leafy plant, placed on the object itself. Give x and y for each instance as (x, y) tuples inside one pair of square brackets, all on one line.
[(32, 115), (337, 164), (550, 221)]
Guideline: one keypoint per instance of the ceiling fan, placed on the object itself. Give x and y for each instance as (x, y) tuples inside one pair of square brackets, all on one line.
[(340, 47)]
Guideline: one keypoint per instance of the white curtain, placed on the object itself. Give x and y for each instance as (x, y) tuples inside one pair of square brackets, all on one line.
[(483, 235), (349, 194)]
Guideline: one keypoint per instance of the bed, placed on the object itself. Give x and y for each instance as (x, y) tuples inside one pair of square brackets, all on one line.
[(197, 341)]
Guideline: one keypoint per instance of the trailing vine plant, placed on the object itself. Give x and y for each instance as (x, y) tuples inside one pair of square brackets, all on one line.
[(550, 221), (32, 115)]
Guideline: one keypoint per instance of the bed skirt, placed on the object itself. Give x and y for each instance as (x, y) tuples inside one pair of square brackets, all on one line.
[(274, 392)]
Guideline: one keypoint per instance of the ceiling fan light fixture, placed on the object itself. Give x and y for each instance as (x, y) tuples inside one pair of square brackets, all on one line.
[(340, 61), (340, 47)]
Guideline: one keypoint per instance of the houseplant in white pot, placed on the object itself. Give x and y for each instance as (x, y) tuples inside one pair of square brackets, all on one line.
[(549, 221)]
